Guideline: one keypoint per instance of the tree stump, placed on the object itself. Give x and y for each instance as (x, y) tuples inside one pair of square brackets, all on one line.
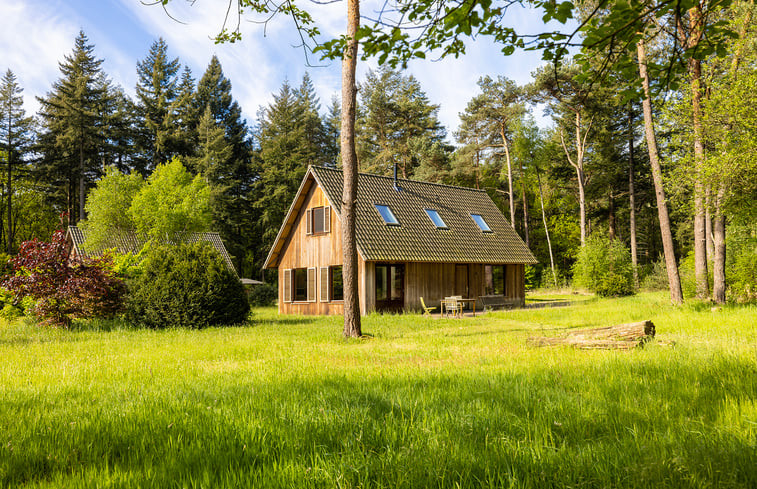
[(619, 337)]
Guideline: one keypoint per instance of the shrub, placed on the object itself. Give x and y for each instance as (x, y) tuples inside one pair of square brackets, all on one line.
[(604, 267), (185, 285), (263, 295), (654, 276), (64, 290)]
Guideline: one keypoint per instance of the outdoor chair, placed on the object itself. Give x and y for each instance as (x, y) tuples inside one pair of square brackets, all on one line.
[(452, 306), (427, 310)]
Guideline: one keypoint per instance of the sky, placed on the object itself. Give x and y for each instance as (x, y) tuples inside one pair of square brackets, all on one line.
[(37, 34)]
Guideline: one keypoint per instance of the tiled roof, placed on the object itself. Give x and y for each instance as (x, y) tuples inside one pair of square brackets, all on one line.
[(417, 238), (130, 242)]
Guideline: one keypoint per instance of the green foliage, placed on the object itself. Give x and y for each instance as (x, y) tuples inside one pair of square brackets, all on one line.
[(654, 276), (263, 295), (186, 285), (171, 203), (741, 270), (604, 267), (108, 207)]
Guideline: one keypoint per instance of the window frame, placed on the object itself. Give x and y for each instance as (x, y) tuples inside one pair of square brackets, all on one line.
[(378, 208), (438, 216), (482, 221), (297, 275)]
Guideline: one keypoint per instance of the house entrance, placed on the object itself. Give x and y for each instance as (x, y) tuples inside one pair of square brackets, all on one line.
[(390, 287)]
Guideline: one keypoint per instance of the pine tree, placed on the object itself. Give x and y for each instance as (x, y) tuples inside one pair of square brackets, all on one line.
[(394, 111), (72, 114), (332, 133), (15, 140), (156, 92), (185, 116), (310, 120)]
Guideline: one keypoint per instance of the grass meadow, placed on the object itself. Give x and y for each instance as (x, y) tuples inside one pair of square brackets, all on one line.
[(286, 402)]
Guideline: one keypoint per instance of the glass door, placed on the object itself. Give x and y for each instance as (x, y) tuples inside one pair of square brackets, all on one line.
[(390, 287)]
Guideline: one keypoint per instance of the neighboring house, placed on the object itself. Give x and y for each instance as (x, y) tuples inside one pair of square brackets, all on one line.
[(414, 239), (130, 242)]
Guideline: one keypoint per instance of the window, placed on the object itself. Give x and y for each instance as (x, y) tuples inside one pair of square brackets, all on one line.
[(300, 284), (481, 223), (318, 220), (337, 285), (433, 214), (495, 279), (387, 215)]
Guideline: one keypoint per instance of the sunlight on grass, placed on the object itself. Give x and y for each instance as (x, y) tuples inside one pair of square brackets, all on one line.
[(286, 402)]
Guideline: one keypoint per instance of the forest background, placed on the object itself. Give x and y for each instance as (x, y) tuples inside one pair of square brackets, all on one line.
[(588, 174)]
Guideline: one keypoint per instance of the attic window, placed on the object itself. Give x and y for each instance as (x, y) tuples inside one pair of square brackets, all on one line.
[(481, 223), (387, 215), (433, 214)]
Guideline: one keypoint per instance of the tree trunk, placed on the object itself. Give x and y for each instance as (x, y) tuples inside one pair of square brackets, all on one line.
[(632, 201), (81, 182), (674, 281), (546, 229), (526, 237), (352, 327), (611, 221), (708, 225), (509, 175), (578, 165), (718, 267), (9, 244)]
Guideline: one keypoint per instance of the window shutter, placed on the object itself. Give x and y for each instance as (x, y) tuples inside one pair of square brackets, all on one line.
[(309, 222), (287, 286), (311, 284), (327, 219), (325, 284)]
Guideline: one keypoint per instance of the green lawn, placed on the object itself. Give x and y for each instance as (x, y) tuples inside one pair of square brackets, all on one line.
[(286, 402)]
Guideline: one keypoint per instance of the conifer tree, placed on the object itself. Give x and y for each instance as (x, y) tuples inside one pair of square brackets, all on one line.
[(15, 139), (332, 133), (185, 116), (156, 92), (72, 116)]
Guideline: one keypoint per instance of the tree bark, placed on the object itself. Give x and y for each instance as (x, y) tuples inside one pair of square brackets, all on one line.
[(611, 221), (352, 326), (674, 281), (9, 247), (718, 266), (578, 165), (526, 237), (632, 200)]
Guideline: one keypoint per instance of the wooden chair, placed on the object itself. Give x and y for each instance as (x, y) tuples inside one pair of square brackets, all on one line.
[(452, 306), (427, 310)]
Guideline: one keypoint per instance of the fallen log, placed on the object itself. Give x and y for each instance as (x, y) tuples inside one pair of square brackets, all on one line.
[(621, 336)]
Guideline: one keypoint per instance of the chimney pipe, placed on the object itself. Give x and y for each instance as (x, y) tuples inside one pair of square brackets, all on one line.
[(396, 187)]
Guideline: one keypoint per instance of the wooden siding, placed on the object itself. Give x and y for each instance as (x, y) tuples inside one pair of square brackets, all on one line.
[(311, 251)]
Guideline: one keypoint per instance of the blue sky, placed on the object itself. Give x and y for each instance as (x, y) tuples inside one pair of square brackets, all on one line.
[(36, 34)]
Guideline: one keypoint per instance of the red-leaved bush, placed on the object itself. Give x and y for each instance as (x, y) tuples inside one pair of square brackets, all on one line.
[(64, 290)]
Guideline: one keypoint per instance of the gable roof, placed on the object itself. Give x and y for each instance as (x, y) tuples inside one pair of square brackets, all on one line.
[(416, 238), (131, 242)]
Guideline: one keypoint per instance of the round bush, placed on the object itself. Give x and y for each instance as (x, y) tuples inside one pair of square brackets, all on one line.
[(263, 295), (604, 267), (186, 285)]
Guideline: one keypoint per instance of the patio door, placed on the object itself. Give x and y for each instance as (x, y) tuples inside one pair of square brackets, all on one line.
[(390, 287), (461, 280)]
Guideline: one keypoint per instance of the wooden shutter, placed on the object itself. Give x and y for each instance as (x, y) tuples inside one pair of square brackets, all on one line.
[(325, 284), (287, 286), (327, 219), (309, 221), (311, 284)]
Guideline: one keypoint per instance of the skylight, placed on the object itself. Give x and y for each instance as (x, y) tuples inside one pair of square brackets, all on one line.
[(387, 215), (481, 223), (433, 214)]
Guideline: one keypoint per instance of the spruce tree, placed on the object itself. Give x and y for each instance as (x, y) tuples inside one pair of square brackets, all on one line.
[(72, 116), (15, 140), (332, 133), (156, 92), (185, 116), (226, 162)]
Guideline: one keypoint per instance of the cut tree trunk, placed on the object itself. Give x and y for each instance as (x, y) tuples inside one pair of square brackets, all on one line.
[(621, 336)]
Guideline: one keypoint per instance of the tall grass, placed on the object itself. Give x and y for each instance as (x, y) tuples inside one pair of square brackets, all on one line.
[(285, 402)]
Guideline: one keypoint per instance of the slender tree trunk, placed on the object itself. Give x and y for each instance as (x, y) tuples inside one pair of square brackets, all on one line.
[(526, 237), (708, 225), (9, 244), (611, 221), (352, 326), (546, 229), (578, 165), (81, 182), (674, 281), (632, 200), (506, 145), (718, 267)]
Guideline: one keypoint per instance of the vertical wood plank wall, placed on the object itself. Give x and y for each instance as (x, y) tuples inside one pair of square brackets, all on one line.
[(304, 251)]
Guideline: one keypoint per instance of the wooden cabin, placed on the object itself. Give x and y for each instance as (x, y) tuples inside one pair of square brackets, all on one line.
[(414, 239)]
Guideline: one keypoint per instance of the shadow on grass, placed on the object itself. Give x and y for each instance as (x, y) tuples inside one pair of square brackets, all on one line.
[(644, 426)]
